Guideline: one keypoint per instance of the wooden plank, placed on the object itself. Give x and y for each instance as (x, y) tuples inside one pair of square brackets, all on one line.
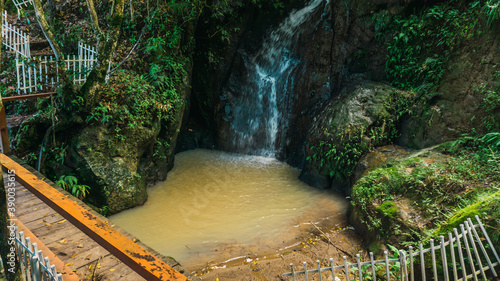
[(87, 257), (56, 232), (27, 97), (51, 218), (120, 273), (133, 255), (33, 214), (68, 274)]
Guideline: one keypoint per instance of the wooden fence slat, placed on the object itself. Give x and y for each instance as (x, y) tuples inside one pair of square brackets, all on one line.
[(434, 267), (467, 250), (360, 273), (443, 258), (492, 247), (346, 269), (305, 270), (319, 269), (474, 248), (453, 258), (483, 250), (387, 273), (372, 262), (460, 254), (332, 268)]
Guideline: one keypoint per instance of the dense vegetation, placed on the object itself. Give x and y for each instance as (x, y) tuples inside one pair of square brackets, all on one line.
[(149, 89), (453, 181)]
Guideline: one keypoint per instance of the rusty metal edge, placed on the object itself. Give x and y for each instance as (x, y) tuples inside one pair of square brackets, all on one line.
[(133, 255), (67, 273), (26, 97)]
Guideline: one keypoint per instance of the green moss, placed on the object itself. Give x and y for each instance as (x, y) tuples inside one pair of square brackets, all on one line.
[(389, 209), (486, 207)]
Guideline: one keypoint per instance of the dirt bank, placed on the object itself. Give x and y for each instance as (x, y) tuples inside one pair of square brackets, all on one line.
[(316, 246)]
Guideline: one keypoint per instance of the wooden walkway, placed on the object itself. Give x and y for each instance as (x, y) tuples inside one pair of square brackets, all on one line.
[(72, 246), (79, 252)]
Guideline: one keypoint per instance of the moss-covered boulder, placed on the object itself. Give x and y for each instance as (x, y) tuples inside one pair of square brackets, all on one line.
[(404, 197), (362, 116), (115, 164)]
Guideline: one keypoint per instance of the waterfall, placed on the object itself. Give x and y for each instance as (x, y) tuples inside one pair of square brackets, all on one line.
[(258, 108)]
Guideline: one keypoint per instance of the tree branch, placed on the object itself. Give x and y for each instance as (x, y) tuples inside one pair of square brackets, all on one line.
[(47, 31), (105, 52), (95, 21), (49, 35)]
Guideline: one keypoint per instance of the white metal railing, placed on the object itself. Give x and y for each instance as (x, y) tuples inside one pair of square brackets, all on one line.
[(20, 3), (15, 39), (34, 266), (469, 264), (42, 73)]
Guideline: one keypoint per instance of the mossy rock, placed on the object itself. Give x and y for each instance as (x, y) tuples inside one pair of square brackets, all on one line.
[(400, 201), (113, 165), (363, 116)]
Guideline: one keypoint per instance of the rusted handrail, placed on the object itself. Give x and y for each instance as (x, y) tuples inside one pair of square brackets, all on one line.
[(133, 255)]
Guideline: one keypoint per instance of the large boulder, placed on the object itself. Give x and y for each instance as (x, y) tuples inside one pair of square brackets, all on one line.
[(363, 116), (398, 199), (114, 165)]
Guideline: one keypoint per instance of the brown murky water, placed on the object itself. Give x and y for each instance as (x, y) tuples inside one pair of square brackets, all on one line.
[(216, 207)]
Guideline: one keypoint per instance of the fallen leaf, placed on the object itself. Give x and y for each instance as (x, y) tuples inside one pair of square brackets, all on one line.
[(113, 269), (90, 266), (47, 224), (63, 221), (70, 264), (73, 255), (80, 246)]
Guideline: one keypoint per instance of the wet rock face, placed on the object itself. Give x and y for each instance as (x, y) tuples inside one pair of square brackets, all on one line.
[(320, 51), (361, 117), (458, 106)]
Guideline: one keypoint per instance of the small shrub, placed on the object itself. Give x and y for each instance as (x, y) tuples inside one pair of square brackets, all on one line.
[(70, 184)]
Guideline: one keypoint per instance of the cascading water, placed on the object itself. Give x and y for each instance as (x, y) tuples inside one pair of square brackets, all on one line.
[(258, 111)]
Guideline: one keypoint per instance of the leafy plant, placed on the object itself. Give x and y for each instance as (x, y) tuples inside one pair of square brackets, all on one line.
[(492, 12), (420, 45), (70, 183)]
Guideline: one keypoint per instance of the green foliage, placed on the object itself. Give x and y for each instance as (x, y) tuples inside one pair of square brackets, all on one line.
[(442, 189), (420, 45), (130, 102), (338, 155), (70, 183), (492, 11)]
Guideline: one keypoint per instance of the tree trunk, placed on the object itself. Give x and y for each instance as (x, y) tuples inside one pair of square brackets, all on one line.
[(106, 50), (49, 35), (7, 244)]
